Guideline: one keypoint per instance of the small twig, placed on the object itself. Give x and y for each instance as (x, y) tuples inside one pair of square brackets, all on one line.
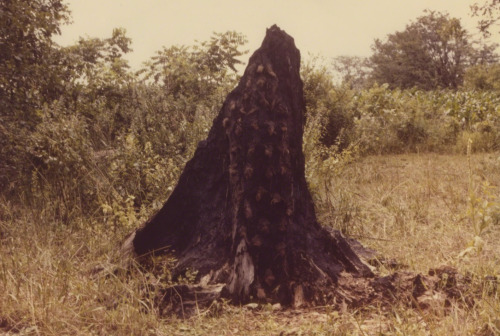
[(181, 301), (372, 238)]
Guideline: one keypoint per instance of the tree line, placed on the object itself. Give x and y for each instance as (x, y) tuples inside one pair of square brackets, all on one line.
[(433, 52)]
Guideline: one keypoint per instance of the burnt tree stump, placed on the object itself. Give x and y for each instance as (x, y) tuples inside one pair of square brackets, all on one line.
[(242, 214)]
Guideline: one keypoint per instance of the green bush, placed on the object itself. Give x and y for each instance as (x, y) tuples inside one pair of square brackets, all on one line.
[(397, 121), (60, 154)]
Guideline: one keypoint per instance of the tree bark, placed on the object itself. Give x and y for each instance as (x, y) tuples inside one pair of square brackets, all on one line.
[(241, 214)]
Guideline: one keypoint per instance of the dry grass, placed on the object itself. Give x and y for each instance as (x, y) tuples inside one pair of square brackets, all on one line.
[(414, 208), (59, 280)]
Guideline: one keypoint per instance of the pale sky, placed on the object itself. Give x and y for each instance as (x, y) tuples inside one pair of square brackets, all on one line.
[(321, 27)]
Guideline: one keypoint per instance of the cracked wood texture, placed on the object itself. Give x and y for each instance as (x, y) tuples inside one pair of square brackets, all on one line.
[(241, 213)]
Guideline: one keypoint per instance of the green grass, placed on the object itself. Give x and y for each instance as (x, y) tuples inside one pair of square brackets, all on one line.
[(58, 279)]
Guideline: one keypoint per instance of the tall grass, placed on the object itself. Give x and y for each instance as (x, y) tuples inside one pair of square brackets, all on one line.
[(57, 279)]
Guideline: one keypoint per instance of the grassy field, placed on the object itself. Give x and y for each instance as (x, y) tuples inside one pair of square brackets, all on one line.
[(420, 210)]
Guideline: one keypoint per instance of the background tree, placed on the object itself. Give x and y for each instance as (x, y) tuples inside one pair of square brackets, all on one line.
[(29, 75), (97, 78), (95, 67), (483, 77), (432, 52), (351, 70), (207, 69), (489, 14)]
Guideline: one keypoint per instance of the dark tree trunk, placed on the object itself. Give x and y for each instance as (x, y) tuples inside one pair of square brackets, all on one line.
[(242, 214)]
